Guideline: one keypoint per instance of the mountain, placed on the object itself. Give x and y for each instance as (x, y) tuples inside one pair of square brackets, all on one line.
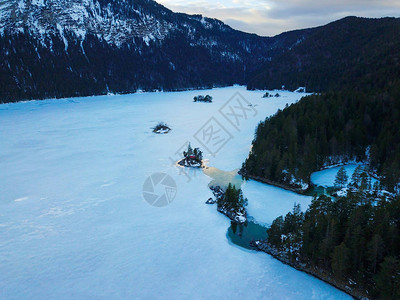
[(354, 53), (53, 48), (69, 48)]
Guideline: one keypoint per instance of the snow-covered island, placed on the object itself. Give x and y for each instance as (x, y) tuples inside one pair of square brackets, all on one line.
[(230, 202), (192, 158), (269, 95), (161, 128), (200, 98)]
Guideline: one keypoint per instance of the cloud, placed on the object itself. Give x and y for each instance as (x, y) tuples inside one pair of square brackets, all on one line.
[(270, 17)]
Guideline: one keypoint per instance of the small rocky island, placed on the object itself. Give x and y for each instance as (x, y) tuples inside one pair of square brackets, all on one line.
[(192, 158), (268, 95), (161, 128), (230, 202), (201, 98)]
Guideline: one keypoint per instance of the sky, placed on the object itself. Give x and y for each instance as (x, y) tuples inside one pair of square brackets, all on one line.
[(271, 17)]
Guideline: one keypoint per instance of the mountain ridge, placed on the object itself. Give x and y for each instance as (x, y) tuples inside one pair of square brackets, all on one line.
[(98, 46), (352, 52), (68, 48)]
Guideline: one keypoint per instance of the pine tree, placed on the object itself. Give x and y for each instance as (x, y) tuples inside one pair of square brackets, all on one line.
[(356, 177), (198, 154), (275, 232), (388, 279), (233, 199), (375, 251), (340, 260), (189, 151), (341, 178)]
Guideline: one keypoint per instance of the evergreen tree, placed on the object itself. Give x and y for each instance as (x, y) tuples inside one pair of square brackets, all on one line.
[(341, 178), (375, 251), (233, 199), (275, 232), (388, 279), (356, 177), (340, 260), (198, 154), (189, 151)]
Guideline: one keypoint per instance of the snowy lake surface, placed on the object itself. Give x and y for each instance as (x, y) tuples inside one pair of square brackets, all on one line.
[(266, 202), (74, 224)]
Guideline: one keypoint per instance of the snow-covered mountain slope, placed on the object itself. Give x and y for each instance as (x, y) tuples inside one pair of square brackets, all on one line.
[(59, 48), (116, 22)]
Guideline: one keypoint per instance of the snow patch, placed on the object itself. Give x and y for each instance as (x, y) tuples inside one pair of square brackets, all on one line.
[(61, 32), (301, 89), (21, 199)]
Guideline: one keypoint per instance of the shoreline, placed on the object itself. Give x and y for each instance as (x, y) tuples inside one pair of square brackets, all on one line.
[(321, 275), (136, 92), (315, 272), (312, 186), (279, 185), (303, 267)]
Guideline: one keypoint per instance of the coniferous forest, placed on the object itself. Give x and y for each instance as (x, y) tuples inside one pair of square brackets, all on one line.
[(353, 239), (335, 127)]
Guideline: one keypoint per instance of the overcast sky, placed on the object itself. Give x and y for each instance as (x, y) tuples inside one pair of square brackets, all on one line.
[(270, 17)]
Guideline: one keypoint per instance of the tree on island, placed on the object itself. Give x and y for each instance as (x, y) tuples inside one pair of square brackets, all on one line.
[(192, 156), (233, 199), (267, 94), (161, 128), (201, 98), (341, 178)]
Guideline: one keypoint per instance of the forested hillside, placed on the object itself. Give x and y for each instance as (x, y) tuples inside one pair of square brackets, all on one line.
[(326, 129), (353, 53), (350, 240)]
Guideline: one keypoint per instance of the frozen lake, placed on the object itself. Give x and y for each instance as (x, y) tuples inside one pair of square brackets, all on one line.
[(266, 202), (326, 178), (74, 224)]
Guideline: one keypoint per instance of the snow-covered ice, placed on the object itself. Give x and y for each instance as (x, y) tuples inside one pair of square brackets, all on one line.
[(266, 202), (74, 225), (326, 177)]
